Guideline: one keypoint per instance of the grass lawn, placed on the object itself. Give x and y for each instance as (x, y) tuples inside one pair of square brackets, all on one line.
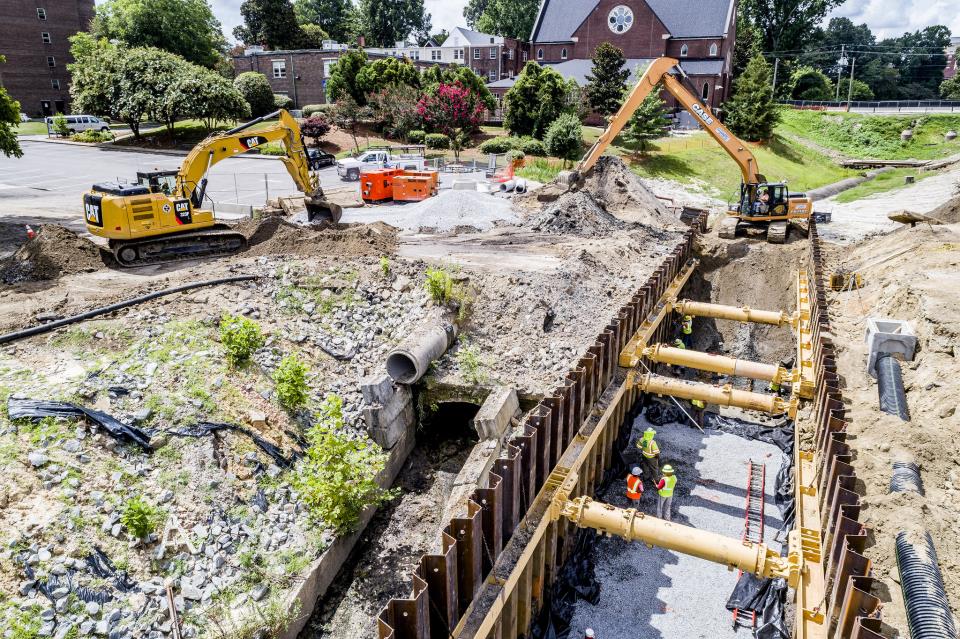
[(874, 136), (31, 128), (887, 181)]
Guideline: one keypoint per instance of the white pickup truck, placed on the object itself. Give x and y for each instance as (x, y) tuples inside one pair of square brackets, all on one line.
[(350, 168)]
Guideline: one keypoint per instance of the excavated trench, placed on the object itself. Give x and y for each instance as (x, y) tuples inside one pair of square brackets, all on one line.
[(379, 567)]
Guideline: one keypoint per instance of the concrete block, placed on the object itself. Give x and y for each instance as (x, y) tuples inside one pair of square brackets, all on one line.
[(886, 335), (377, 389), (472, 476), (493, 418), (464, 185), (389, 411)]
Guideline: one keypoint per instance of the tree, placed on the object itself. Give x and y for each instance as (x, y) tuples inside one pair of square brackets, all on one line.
[(536, 99), (564, 138), (751, 113), (649, 121), (921, 59), (808, 83), (452, 111), (212, 98), (386, 23), (747, 45), (312, 36), (348, 114), (256, 90), (380, 74), (9, 118), (187, 28), (437, 38), (395, 110), (270, 23), (787, 25), (343, 77), (330, 15), (608, 80), (474, 11), (437, 75), (950, 89), (509, 18), (861, 90), (315, 127)]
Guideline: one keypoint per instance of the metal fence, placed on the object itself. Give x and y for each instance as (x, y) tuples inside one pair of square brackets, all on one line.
[(885, 106)]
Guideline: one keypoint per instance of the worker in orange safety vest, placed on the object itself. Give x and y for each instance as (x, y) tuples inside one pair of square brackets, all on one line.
[(634, 486)]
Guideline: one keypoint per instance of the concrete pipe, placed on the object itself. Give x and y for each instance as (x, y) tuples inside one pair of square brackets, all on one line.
[(720, 395), (521, 186), (508, 186), (737, 314), (714, 363), (409, 361)]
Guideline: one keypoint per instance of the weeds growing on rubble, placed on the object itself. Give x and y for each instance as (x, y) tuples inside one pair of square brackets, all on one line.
[(241, 337), (290, 381)]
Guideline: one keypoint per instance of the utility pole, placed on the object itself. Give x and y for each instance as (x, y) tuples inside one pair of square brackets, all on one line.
[(842, 62), (776, 67), (850, 92)]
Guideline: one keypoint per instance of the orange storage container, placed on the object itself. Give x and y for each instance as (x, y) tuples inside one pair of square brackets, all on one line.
[(433, 175), (377, 185), (412, 188)]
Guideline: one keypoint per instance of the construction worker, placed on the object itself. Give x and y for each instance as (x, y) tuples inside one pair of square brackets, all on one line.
[(698, 407), (665, 493), (634, 486), (650, 452), (588, 634), (686, 331), (679, 370), (774, 386)]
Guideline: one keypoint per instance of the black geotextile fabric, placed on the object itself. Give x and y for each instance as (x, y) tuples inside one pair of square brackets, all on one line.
[(780, 433), (99, 565), (659, 413), (39, 409), (767, 598), (201, 429)]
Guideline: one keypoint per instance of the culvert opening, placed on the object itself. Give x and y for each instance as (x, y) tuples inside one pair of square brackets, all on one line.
[(402, 368), (400, 532)]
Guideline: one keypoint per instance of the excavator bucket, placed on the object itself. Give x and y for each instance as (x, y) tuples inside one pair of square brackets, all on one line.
[(563, 183), (321, 210)]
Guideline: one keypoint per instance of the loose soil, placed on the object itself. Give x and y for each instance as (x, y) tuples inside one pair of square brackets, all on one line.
[(53, 252), (276, 236), (620, 192)]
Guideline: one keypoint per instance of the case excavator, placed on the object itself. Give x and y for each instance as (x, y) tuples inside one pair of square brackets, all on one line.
[(763, 204), (162, 217)]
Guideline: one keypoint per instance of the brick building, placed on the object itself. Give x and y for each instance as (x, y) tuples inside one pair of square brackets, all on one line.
[(953, 60), (33, 37), (301, 74), (700, 33)]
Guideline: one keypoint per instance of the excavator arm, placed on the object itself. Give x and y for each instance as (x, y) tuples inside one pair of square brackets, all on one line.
[(192, 177), (662, 71)]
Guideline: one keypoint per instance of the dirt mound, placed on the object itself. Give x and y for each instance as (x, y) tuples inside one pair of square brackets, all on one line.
[(576, 214), (276, 236), (55, 251), (949, 213), (618, 190)]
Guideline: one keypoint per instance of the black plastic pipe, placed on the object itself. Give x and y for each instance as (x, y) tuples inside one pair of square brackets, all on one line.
[(924, 595), (103, 310), (893, 398), (906, 478)]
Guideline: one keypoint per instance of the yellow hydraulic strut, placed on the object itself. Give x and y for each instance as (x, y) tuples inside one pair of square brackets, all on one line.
[(716, 363), (721, 395), (735, 313)]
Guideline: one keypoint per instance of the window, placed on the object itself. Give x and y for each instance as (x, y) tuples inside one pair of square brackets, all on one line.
[(620, 19), (327, 67), (415, 54), (476, 54), (279, 69), (526, 56), (55, 84), (41, 13), (706, 91), (51, 61), (563, 53), (492, 75), (713, 50), (493, 53), (45, 37), (491, 40), (539, 54), (458, 54), (436, 54), (509, 54), (684, 50)]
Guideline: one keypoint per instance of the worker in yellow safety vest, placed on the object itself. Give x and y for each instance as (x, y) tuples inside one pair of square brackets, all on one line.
[(634, 486), (698, 407), (686, 331), (650, 452), (665, 493)]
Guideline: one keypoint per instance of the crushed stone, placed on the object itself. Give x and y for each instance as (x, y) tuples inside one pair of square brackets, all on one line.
[(448, 211), (53, 252), (576, 213)]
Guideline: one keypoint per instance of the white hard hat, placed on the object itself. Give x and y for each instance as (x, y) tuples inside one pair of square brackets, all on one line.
[(588, 633), (636, 471)]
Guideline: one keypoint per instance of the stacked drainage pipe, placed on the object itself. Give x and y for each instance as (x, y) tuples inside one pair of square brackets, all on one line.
[(928, 609), (893, 398), (906, 478)]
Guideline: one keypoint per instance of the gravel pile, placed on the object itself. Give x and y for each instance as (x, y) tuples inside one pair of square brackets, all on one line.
[(445, 212), (576, 214)]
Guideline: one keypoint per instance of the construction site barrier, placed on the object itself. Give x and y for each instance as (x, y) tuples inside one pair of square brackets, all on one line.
[(468, 589)]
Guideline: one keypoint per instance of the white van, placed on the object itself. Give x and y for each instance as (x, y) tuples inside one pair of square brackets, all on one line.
[(78, 123)]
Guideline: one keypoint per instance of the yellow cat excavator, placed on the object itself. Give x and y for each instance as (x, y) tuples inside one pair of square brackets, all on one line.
[(761, 203), (162, 217)]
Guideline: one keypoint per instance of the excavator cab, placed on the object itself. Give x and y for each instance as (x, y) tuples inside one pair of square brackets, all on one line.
[(158, 181), (763, 200)]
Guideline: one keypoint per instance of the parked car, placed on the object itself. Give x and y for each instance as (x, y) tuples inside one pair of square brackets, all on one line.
[(24, 117), (78, 123), (350, 168), (319, 159)]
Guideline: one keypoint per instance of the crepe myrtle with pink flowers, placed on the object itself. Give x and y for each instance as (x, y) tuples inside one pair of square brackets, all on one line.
[(453, 110)]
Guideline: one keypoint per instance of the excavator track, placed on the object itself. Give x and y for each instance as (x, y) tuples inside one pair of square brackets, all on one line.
[(212, 242), (728, 228), (777, 232)]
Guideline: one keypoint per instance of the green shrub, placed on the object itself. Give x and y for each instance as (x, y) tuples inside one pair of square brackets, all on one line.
[(564, 138), (417, 136), (499, 145), (290, 380), (337, 478), (532, 146), (255, 89), (240, 337), (313, 109), (515, 156), (439, 285), (437, 141), (385, 265), (60, 125), (282, 101), (140, 518), (91, 135), (468, 359), (272, 148)]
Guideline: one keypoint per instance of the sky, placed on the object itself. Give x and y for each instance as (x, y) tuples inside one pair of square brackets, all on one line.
[(886, 17)]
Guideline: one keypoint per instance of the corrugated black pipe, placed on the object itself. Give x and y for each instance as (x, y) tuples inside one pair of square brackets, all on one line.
[(893, 399), (928, 609), (103, 310), (906, 478)]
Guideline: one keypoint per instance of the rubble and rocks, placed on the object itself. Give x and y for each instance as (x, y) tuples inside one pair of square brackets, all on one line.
[(576, 213)]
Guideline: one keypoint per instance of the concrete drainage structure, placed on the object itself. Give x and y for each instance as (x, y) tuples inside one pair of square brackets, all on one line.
[(409, 361)]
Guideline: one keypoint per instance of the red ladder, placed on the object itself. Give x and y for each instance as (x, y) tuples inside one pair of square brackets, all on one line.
[(752, 529)]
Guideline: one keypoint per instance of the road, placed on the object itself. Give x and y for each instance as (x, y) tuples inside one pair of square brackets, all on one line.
[(47, 182)]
